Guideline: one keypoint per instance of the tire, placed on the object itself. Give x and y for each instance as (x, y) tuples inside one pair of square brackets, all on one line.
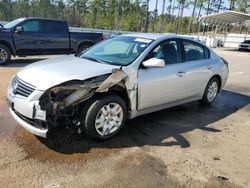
[(83, 47), (5, 55), (211, 92), (99, 126)]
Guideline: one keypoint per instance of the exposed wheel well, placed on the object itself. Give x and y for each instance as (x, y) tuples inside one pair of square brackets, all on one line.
[(121, 92), (85, 43), (117, 90)]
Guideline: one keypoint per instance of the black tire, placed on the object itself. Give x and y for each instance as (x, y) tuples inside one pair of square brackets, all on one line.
[(90, 111), (205, 99), (83, 47), (7, 52)]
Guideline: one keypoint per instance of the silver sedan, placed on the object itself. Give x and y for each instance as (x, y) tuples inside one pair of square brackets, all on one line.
[(122, 77)]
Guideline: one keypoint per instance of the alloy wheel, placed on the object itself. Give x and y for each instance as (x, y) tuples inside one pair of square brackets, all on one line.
[(212, 91), (3, 55), (109, 119)]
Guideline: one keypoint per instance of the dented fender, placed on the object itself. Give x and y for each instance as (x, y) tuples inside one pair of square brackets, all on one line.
[(84, 91)]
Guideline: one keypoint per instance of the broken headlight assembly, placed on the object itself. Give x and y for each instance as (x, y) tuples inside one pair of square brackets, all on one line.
[(67, 95)]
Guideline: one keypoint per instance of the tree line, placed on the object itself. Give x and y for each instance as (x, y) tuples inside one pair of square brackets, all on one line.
[(125, 15)]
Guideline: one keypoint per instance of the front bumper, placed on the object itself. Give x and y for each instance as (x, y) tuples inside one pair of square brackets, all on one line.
[(31, 128), (244, 47), (26, 111)]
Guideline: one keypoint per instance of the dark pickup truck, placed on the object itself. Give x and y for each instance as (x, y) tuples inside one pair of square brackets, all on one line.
[(37, 36)]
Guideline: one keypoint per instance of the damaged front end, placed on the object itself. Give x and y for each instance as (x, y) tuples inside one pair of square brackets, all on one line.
[(60, 105)]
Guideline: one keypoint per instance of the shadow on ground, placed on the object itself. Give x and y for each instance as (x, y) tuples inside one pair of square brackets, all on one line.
[(153, 129)]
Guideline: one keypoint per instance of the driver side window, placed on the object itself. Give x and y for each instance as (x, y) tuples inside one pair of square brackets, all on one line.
[(168, 51), (31, 27)]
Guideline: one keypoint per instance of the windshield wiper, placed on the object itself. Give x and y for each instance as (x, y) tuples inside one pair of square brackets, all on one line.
[(94, 59)]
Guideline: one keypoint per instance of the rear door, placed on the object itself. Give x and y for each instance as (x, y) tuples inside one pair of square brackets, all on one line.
[(55, 37), (196, 68), (28, 41)]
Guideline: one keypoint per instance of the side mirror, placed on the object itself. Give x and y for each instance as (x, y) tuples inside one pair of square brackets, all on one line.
[(19, 30), (154, 62)]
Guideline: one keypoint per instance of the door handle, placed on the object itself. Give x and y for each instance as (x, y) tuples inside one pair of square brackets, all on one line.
[(180, 74), (210, 66)]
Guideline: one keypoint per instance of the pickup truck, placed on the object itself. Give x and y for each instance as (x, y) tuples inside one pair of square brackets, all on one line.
[(38, 36)]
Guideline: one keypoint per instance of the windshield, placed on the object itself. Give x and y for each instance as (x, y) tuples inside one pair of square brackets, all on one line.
[(247, 41), (120, 50), (13, 23)]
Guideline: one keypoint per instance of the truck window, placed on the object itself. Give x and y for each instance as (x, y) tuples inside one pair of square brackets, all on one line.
[(54, 27), (31, 26)]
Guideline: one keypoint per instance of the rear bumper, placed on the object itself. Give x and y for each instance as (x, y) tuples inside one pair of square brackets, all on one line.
[(28, 126)]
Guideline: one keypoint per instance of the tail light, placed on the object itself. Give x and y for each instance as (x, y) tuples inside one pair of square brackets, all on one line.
[(102, 36), (224, 61)]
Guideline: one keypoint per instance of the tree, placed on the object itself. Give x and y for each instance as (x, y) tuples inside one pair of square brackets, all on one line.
[(126, 15), (162, 15), (192, 17), (232, 5)]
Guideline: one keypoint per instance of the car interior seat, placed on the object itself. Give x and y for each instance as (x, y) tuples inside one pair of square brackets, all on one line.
[(193, 55), (170, 53)]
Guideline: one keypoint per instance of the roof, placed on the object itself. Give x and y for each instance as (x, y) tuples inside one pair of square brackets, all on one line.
[(153, 36), (39, 18), (226, 17)]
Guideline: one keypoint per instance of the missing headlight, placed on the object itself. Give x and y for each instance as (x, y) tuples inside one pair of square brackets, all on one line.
[(61, 95)]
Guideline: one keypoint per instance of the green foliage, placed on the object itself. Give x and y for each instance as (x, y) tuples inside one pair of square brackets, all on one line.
[(126, 15)]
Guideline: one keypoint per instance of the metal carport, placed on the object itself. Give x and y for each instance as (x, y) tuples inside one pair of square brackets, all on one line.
[(221, 22)]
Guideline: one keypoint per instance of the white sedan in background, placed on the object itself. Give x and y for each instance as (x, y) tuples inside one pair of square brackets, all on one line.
[(244, 45)]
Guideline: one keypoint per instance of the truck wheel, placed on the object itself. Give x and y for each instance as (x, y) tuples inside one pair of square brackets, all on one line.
[(5, 55), (211, 92), (104, 116), (83, 47)]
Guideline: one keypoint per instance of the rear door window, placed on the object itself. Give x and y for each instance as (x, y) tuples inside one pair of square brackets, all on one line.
[(194, 51), (53, 27)]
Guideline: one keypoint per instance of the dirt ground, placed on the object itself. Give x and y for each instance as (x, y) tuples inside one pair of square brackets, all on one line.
[(184, 146)]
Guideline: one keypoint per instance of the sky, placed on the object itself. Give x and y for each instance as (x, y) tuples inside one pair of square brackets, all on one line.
[(187, 12)]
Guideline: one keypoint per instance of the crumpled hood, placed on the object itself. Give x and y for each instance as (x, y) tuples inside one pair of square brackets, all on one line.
[(48, 73)]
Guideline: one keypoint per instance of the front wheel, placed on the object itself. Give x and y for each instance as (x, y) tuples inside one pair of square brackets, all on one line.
[(104, 116), (211, 92), (83, 47), (5, 55)]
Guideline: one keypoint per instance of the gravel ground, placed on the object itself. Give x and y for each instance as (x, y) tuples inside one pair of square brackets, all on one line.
[(184, 146)]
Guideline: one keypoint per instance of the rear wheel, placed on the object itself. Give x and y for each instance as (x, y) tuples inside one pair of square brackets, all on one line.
[(104, 116), (5, 55), (83, 47), (211, 91)]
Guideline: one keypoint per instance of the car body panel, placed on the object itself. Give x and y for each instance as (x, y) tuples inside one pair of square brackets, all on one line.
[(42, 74)]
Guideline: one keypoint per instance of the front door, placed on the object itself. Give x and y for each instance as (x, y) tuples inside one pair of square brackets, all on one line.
[(157, 86), (28, 41)]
